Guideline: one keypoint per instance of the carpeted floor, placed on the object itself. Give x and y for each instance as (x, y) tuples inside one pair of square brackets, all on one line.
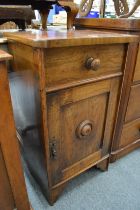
[(116, 189)]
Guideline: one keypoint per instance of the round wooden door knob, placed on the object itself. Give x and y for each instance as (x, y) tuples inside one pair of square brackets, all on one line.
[(84, 129), (93, 64)]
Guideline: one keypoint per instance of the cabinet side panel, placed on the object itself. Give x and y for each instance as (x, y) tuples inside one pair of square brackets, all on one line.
[(25, 91), (6, 196)]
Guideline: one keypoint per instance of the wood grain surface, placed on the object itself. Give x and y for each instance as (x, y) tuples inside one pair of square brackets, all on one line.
[(133, 108), (9, 146), (136, 78), (109, 23), (4, 56), (64, 38)]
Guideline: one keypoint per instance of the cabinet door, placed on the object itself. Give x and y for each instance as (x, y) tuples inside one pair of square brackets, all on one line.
[(80, 123)]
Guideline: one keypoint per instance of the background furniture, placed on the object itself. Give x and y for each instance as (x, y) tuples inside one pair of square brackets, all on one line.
[(126, 135), (20, 15), (12, 185), (44, 6), (119, 25), (121, 7), (127, 132), (65, 100)]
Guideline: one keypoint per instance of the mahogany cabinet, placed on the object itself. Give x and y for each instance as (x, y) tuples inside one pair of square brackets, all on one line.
[(127, 128), (65, 91), (12, 185), (127, 132)]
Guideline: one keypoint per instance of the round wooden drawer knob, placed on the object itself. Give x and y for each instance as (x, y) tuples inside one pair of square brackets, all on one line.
[(84, 129), (93, 64)]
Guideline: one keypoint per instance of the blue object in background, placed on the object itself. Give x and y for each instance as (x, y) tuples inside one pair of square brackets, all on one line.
[(50, 17), (54, 11), (57, 9), (93, 14)]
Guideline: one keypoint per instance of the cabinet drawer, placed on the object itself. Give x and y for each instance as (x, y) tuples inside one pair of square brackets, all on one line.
[(133, 109), (68, 64), (130, 133), (137, 68)]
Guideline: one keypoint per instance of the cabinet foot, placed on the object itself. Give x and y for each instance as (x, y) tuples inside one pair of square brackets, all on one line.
[(54, 194), (113, 158), (103, 166)]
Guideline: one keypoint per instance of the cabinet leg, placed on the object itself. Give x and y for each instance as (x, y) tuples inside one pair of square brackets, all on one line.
[(113, 158), (54, 193), (103, 166)]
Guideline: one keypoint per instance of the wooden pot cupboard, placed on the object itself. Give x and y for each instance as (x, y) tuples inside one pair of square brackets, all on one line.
[(66, 88), (13, 194), (127, 129)]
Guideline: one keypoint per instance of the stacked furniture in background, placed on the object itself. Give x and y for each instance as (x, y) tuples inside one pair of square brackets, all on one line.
[(13, 192), (20, 15), (44, 6)]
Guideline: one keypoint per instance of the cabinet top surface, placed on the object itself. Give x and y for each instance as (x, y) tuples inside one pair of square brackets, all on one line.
[(124, 24), (60, 37)]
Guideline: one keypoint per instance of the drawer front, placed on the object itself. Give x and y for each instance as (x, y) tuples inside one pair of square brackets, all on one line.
[(68, 64), (137, 68), (130, 133), (133, 109), (80, 125)]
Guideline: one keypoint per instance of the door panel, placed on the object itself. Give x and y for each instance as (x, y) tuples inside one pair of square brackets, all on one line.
[(133, 108), (130, 133), (87, 114), (77, 118)]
